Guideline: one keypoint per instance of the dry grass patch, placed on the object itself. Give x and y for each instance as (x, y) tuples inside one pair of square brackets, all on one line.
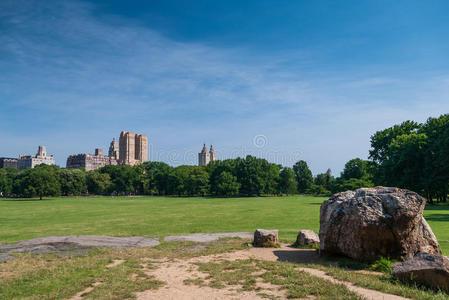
[(246, 273), (383, 282), (62, 277)]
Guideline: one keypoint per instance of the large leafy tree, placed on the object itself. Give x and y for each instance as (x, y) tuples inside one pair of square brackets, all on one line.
[(124, 179), (98, 183), (287, 181), (325, 180), (381, 140), (177, 180), (41, 181), (414, 156), (227, 184), (356, 168), (303, 176), (7, 177), (250, 175), (155, 177), (197, 182), (406, 162), (73, 181)]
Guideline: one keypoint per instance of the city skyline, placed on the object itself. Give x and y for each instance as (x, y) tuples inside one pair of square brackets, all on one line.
[(315, 80)]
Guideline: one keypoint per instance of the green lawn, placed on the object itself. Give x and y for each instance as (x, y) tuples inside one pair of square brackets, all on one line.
[(160, 216)]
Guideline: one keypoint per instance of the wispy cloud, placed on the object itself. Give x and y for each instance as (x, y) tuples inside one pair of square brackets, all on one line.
[(71, 80)]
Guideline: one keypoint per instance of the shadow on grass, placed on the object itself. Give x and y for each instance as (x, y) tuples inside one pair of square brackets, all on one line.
[(436, 207), (25, 199), (437, 217), (312, 256), (305, 256)]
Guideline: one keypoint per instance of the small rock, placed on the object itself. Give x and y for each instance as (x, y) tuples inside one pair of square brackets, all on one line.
[(266, 238), (428, 269), (307, 238)]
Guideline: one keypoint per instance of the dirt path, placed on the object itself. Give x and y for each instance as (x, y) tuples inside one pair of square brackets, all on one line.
[(175, 272)]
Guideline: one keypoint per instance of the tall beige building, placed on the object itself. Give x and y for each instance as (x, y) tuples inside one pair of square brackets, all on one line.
[(204, 157), (133, 148), (141, 148)]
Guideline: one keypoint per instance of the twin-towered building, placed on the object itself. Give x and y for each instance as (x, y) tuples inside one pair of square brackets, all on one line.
[(204, 157), (132, 149)]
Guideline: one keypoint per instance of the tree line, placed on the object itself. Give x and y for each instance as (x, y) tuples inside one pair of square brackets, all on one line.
[(248, 176), (409, 155)]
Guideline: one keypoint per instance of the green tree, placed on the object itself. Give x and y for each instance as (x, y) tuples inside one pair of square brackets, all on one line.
[(407, 157), (7, 177), (287, 182), (318, 190), (41, 181), (435, 175), (197, 182), (325, 180), (73, 182), (177, 180), (227, 184), (381, 140), (156, 177), (351, 184), (303, 176), (357, 168), (124, 179), (98, 183)]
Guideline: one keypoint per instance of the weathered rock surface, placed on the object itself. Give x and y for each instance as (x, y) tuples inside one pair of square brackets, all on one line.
[(207, 237), (427, 269), (73, 244), (307, 238), (5, 257), (266, 238), (372, 222)]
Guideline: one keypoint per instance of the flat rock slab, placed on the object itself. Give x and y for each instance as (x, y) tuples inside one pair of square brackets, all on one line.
[(5, 257), (207, 237), (73, 244)]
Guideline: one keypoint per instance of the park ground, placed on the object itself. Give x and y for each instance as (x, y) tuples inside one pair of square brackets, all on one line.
[(129, 273)]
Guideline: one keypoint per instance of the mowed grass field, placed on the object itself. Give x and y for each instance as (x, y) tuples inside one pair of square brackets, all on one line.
[(161, 216)]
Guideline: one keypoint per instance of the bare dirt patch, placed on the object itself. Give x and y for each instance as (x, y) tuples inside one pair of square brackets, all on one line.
[(115, 263), (184, 281)]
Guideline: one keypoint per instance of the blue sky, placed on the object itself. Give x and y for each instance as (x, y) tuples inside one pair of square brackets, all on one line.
[(284, 80)]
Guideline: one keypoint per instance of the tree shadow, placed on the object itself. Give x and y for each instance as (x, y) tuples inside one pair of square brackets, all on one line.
[(25, 199), (437, 217), (437, 207)]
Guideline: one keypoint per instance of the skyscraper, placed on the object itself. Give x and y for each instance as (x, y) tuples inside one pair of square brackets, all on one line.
[(141, 148), (133, 148)]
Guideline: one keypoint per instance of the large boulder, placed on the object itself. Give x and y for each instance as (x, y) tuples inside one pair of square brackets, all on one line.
[(266, 238), (372, 222), (427, 269), (307, 238)]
